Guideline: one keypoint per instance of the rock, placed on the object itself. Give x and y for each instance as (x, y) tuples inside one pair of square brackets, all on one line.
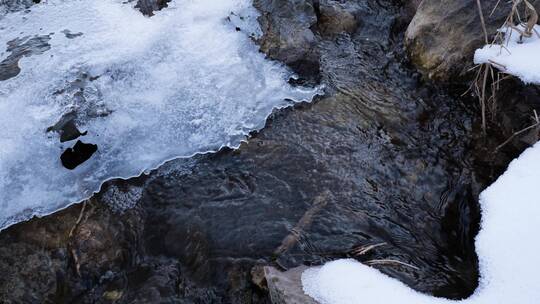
[(335, 17), (29, 274), (443, 35), (48, 272), (287, 34), (258, 278), (286, 287), (113, 295)]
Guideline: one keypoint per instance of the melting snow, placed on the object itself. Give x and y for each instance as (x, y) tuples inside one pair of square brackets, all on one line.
[(521, 59), (507, 245), (145, 89)]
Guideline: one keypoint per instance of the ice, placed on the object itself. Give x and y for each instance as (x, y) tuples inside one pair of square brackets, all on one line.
[(518, 57), (146, 90), (507, 245)]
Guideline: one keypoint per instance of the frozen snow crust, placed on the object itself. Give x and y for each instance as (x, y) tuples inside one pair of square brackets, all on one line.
[(145, 89), (508, 246)]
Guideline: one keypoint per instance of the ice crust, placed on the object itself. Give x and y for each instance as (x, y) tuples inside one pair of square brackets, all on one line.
[(507, 246), (179, 83)]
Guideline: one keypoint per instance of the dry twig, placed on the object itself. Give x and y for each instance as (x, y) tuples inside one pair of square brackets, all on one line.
[(518, 133), (482, 20), (362, 250), (390, 262), (70, 241)]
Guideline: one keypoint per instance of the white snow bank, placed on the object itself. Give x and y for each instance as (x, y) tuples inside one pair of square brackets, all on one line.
[(518, 59), (178, 83), (508, 247)]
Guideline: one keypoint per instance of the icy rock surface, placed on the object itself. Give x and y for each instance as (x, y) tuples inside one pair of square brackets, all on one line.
[(518, 56), (507, 247), (145, 90)]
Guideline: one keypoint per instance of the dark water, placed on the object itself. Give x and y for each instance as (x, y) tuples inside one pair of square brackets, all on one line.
[(357, 185), (78, 154), (383, 157)]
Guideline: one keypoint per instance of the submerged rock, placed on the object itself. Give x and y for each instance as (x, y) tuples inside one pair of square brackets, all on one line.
[(336, 17)]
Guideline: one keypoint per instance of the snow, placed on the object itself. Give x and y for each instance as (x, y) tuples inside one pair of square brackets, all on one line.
[(507, 247), (179, 83), (518, 59)]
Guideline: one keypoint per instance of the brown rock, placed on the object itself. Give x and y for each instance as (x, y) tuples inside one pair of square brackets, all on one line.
[(286, 287), (335, 19), (258, 278), (287, 34), (443, 35)]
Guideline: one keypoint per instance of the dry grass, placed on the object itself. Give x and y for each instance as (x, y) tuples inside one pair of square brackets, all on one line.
[(390, 262), (535, 125), (363, 250), (522, 19), (72, 234)]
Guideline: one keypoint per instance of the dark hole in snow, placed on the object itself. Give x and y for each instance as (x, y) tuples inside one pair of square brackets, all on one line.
[(81, 152), (148, 7)]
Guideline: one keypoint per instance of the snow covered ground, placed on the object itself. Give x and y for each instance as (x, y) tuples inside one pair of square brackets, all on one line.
[(146, 89), (508, 248), (518, 59)]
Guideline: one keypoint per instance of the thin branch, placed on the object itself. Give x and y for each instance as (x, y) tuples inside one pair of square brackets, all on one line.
[(390, 262), (362, 250), (518, 133), (495, 8), (497, 64), (483, 99), (480, 12), (71, 232), (78, 220)]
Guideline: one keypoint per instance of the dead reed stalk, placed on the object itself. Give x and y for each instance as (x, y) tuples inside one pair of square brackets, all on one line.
[(486, 84)]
